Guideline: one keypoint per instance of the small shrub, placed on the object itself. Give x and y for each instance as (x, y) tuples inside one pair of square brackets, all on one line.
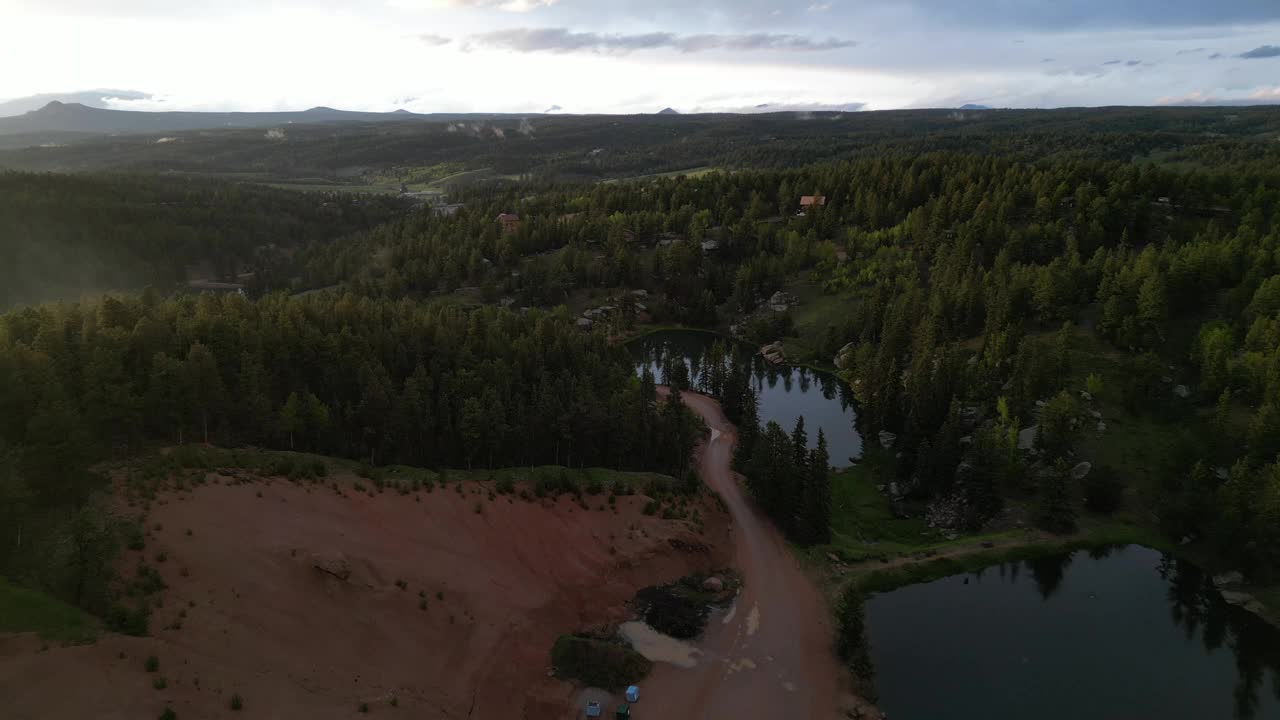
[(609, 664), (364, 707), (168, 714), (1103, 491), (440, 595), (395, 701), (129, 621), (151, 664), (650, 507), (135, 539), (402, 584), (478, 509), (162, 556), (237, 702), (160, 683), (594, 486), (505, 486)]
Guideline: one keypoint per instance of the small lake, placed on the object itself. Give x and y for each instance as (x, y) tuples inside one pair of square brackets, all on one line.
[(785, 392), (1110, 634)]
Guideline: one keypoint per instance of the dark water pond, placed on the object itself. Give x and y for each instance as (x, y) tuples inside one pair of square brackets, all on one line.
[(785, 393), (1114, 634)]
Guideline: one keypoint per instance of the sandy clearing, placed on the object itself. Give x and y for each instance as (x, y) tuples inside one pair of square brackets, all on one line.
[(256, 617)]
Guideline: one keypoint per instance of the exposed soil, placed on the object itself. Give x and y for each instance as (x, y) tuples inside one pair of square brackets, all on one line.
[(291, 599)]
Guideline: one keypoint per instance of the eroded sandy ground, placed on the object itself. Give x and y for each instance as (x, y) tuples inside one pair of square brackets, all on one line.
[(247, 612)]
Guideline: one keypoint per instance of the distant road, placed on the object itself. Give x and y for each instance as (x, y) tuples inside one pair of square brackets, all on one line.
[(772, 656)]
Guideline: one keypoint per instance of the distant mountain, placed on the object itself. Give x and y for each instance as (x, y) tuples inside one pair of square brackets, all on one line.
[(63, 117), (971, 106), (89, 98), (668, 111)]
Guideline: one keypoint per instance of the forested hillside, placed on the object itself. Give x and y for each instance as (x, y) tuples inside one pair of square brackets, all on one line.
[(61, 237), (381, 380), (590, 148), (947, 279), (1010, 295)]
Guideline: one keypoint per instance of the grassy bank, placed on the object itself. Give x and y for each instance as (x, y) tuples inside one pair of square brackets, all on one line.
[(26, 610)]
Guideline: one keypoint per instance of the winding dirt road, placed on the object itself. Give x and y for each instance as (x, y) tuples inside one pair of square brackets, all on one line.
[(771, 655)]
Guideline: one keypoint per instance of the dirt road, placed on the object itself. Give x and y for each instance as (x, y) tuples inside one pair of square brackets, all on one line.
[(771, 656)]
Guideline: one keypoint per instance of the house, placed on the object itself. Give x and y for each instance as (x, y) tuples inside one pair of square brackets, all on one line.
[(510, 222), (808, 202)]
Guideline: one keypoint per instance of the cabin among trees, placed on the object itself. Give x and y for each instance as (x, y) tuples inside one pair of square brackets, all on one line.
[(509, 222), (809, 202)]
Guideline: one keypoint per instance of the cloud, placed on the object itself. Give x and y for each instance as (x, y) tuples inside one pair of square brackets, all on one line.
[(434, 40), (553, 108), (779, 107), (1261, 96), (1113, 62), (563, 40), (1131, 63), (1265, 51), (517, 6), (1192, 51), (1215, 56)]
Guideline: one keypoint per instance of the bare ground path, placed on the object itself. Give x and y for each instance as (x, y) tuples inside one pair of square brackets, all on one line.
[(771, 655)]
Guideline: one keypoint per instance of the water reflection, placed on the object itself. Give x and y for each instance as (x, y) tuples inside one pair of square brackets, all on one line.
[(785, 392), (1119, 632)]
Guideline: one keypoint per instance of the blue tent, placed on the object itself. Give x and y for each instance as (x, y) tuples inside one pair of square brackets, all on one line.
[(633, 693)]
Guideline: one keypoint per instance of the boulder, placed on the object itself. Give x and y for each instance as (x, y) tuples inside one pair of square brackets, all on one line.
[(1228, 578), (1081, 471), (1182, 391), (1102, 427), (1237, 598), (1027, 437), (1086, 395), (773, 353), (713, 584), (585, 323), (887, 439), (334, 564), (844, 357)]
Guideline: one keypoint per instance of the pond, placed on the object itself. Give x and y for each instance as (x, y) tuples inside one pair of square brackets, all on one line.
[(785, 392), (1110, 634)]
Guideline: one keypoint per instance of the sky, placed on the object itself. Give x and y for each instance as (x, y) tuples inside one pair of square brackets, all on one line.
[(630, 56)]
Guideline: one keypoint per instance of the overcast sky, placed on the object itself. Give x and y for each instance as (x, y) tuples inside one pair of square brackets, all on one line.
[(642, 55)]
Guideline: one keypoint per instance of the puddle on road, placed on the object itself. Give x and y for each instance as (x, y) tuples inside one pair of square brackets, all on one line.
[(658, 647)]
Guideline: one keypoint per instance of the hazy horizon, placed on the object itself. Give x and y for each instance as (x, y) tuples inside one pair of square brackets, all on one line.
[(617, 56)]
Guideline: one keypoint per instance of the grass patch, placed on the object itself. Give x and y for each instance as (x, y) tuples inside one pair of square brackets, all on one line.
[(1091, 535), (611, 664), (26, 610)]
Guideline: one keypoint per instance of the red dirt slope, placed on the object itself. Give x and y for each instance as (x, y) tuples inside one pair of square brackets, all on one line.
[(247, 612)]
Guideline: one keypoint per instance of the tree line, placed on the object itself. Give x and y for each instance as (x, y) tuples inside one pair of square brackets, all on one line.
[(379, 380)]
